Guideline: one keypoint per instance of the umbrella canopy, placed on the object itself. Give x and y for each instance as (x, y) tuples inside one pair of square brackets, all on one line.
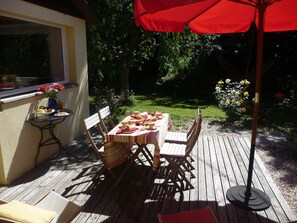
[(214, 16), (218, 17)]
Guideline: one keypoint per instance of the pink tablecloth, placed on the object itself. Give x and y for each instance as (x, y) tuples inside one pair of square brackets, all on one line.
[(144, 136)]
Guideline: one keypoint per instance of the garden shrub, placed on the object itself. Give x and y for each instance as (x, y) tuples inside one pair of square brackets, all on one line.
[(108, 97), (233, 97), (286, 97)]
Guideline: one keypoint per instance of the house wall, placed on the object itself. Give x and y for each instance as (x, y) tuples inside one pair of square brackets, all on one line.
[(18, 138)]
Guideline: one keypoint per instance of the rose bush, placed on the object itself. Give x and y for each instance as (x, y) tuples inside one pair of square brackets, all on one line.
[(233, 97), (286, 98)]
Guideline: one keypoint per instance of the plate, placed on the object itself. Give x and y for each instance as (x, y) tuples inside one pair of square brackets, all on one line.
[(45, 113), (151, 128), (136, 120), (128, 132), (152, 119), (61, 114)]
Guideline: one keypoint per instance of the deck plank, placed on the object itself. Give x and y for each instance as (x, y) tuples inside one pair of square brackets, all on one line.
[(229, 178), (223, 208), (194, 201), (220, 209), (271, 189), (201, 171), (242, 161), (259, 182), (220, 161), (211, 197)]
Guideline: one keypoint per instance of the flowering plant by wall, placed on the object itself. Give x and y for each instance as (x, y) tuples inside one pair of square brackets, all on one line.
[(233, 97), (52, 90), (287, 97)]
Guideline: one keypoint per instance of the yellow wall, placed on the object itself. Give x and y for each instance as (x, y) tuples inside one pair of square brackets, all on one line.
[(18, 139)]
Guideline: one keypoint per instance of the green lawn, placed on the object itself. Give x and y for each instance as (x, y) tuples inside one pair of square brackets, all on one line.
[(181, 111)]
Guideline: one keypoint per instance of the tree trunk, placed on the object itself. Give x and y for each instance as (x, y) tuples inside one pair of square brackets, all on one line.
[(132, 44), (125, 81)]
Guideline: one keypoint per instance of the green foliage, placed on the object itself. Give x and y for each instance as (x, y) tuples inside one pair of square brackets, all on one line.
[(185, 60), (286, 98), (233, 97), (179, 53), (126, 98), (117, 45), (108, 97)]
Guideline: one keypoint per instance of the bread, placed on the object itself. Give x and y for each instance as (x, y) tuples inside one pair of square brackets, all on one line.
[(40, 110)]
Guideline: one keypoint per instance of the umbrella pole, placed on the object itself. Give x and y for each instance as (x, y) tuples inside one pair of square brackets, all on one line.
[(248, 197)]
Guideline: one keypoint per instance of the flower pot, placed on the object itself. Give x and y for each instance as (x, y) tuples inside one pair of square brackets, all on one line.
[(52, 103)]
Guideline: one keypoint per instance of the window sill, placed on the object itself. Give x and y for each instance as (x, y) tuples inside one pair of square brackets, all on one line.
[(27, 95), (19, 97)]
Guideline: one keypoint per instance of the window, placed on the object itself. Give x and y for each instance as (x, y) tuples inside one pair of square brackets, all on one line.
[(30, 54)]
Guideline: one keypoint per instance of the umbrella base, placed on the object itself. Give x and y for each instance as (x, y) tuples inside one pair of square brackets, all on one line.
[(257, 201)]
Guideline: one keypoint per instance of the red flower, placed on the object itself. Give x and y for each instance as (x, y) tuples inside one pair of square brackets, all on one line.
[(279, 96), (57, 86), (43, 88), (51, 90)]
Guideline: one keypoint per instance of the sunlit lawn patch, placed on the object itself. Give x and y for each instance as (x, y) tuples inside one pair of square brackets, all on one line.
[(181, 111)]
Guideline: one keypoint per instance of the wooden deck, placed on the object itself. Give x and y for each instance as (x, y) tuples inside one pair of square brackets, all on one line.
[(220, 162)]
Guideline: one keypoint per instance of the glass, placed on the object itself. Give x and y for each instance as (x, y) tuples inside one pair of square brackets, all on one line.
[(30, 54)]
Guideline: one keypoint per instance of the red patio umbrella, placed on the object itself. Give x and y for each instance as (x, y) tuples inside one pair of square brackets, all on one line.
[(218, 17)]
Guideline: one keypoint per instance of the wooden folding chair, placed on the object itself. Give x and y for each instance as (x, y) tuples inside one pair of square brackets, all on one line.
[(203, 215), (112, 154), (52, 205), (182, 137), (93, 129), (177, 156), (104, 113)]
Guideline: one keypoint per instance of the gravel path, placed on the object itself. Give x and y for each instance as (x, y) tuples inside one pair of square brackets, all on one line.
[(275, 150)]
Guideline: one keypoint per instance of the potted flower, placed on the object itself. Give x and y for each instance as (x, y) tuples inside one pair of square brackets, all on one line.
[(51, 92)]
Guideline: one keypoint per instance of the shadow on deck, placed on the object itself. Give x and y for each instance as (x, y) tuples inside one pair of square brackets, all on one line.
[(220, 162)]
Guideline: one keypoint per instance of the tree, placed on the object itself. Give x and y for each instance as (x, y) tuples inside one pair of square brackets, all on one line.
[(181, 53), (117, 45)]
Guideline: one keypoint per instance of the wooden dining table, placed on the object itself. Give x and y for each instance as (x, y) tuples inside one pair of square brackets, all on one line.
[(141, 134)]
